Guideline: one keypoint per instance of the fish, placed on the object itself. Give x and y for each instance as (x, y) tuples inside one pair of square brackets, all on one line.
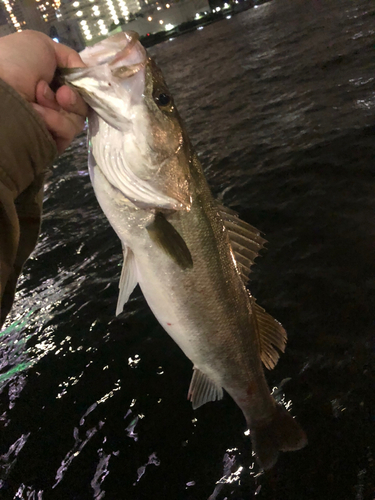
[(190, 255)]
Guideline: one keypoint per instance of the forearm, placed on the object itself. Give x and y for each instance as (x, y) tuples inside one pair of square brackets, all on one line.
[(26, 151)]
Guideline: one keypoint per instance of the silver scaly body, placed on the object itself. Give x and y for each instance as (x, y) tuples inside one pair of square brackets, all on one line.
[(190, 256)]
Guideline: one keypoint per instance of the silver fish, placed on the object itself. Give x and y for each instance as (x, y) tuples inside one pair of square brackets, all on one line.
[(190, 256)]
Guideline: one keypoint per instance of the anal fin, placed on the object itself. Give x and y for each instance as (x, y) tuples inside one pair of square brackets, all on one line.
[(128, 279), (202, 390)]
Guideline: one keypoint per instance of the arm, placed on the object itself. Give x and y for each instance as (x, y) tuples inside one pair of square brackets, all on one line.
[(29, 141)]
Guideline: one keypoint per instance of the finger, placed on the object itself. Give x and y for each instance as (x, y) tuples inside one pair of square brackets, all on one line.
[(45, 96), (63, 126), (67, 57), (71, 101)]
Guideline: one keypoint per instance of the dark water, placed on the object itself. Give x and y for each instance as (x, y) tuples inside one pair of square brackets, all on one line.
[(280, 104)]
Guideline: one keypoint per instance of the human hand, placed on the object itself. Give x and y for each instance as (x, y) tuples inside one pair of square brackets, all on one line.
[(28, 61)]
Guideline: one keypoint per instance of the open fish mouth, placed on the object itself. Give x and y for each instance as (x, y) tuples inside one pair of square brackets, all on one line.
[(122, 53)]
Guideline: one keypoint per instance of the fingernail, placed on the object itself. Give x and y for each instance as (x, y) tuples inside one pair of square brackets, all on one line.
[(48, 94), (73, 98), (37, 108)]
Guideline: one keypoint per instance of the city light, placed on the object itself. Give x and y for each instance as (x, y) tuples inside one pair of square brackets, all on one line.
[(169, 27), (75, 4), (161, 21), (149, 18), (167, 5), (79, 13)]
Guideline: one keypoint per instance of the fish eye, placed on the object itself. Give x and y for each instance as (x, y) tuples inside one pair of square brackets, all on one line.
[(162, 99)]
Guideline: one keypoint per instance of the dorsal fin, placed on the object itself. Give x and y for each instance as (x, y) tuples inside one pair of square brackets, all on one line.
[(271, 334), (245, 240)]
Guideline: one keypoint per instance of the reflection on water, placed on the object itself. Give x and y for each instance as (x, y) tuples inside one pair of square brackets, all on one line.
[(93, 406)]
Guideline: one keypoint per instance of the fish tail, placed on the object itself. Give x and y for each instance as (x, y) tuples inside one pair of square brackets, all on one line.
[(282, 433)]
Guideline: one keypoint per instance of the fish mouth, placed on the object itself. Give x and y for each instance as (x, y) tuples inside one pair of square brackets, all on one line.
[(122, 54)]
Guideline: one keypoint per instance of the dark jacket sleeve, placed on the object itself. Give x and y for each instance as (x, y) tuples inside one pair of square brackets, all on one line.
[(27, 150)]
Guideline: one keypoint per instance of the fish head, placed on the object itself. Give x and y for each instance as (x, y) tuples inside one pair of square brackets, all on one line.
[(135, 120)]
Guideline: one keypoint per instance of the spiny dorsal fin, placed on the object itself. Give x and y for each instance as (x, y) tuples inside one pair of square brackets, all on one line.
[(202, 389), (271, 334), (170, 241), (128, 279), (245, 240)]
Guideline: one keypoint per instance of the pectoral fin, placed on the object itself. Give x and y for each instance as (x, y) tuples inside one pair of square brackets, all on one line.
[(202, 390), (128, 279), (170, 241)]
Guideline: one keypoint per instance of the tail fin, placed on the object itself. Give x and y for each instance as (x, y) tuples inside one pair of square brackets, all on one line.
[(282, 433)]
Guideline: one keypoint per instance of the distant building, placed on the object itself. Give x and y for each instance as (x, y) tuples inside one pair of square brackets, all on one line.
[(84, 22), (68, 32), (97, 17), (47, 10), (166, 16), (12, 17), (5, 29)]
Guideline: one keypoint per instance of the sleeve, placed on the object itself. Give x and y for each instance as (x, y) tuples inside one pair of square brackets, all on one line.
[(27, 150)]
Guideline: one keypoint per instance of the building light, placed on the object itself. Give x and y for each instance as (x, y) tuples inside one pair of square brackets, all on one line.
[(75, 4), (159, 8), (167, 5), (88, 37), (149, 18), (169, 27), (161, 21), (79, 13)]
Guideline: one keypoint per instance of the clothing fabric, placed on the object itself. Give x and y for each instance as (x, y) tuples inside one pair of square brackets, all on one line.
[(27, 150)]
